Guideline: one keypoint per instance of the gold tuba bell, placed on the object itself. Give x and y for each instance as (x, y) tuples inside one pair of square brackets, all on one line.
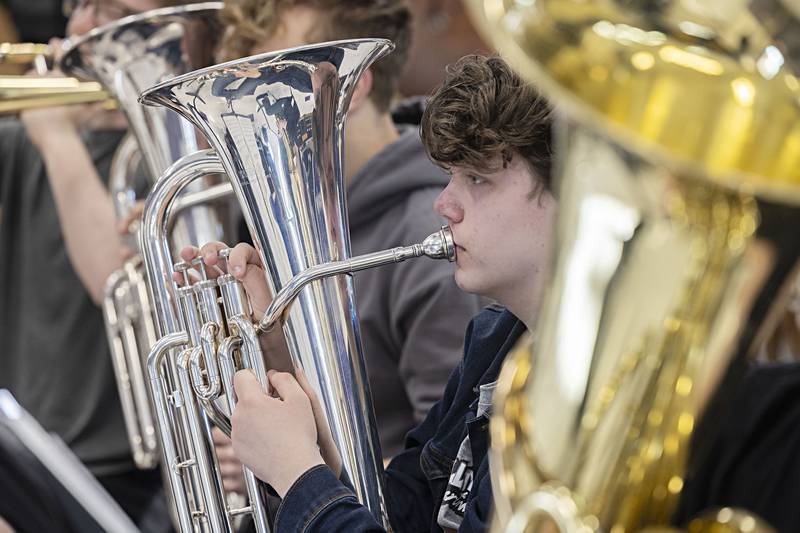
[(679, 198)]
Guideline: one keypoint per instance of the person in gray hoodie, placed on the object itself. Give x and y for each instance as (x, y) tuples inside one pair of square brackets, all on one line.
[(412, 315)]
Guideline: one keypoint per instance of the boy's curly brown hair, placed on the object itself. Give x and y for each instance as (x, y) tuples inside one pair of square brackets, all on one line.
[(483, 115), (249, 22)]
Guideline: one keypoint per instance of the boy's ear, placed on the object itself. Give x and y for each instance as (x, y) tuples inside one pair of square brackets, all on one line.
[(362, 91)]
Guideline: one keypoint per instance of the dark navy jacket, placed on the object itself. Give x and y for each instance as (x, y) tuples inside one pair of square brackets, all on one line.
[(416, 479)]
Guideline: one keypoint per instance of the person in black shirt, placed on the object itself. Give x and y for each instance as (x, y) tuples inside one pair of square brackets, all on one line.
[(755, 465)]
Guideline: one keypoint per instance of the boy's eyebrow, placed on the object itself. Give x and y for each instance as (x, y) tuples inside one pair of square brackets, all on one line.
[(485, 172)]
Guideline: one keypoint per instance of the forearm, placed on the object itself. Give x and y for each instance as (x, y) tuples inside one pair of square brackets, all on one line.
[(85, 210)]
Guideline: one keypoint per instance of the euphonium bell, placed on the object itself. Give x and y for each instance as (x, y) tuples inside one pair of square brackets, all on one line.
[(275, 122), (679, 197), (133, 53), (126, 57)]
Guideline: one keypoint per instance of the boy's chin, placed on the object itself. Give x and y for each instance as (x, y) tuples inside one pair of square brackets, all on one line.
[(467, 283)]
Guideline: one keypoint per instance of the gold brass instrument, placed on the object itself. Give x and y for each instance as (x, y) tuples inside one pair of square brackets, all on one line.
[(275, 122), (35, 54), (679, 198), (18, 93)]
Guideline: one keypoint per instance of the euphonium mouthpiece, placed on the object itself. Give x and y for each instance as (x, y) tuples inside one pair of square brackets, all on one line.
[(440, 245)]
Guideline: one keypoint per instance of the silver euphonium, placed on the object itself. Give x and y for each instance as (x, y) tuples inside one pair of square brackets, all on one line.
[(275, 122), (126, 57)]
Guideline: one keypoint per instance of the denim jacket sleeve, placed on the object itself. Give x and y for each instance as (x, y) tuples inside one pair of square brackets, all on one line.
[(318, 502)]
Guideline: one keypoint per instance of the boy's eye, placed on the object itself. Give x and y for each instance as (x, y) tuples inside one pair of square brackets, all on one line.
[(475, 179)]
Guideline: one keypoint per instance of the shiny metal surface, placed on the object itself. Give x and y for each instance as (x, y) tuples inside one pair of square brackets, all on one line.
[(184, 432), (125, 57), (128, 318), (678, 199), (133, 53), (25, 53), (700, 84), (242, 339), (182, 487), (276, 122), (212, 362), (20, 92), (127, 327), (438, 245), (122, 184), (209, 195)]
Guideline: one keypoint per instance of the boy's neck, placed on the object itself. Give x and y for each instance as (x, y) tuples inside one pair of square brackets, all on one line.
[(527, 314), (367, 133), (525, 303)]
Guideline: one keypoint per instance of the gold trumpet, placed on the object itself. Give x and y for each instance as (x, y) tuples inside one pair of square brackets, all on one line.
[(679, 192), (18, 93), (24, 53)]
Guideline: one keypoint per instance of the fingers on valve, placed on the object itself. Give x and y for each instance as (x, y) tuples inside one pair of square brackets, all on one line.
[(240, 257)]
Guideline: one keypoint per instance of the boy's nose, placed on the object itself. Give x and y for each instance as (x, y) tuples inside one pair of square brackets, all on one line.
[(447, 207)]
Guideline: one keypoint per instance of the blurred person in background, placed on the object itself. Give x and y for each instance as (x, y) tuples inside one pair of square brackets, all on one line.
[(36, 22), (443, 34)]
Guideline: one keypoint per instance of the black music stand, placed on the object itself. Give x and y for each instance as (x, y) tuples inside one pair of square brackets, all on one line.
[(43, 486)]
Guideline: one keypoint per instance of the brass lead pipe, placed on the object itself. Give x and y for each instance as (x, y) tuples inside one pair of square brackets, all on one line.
[(18, 93), (23, 53)]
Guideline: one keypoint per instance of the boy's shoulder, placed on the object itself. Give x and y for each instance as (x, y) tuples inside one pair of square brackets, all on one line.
[(490, 336), (492, 320), (495, 309)]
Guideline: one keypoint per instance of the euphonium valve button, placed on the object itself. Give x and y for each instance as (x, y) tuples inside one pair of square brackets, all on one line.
[(182, 267), (197, 264), (226, 277), (224, 254)]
